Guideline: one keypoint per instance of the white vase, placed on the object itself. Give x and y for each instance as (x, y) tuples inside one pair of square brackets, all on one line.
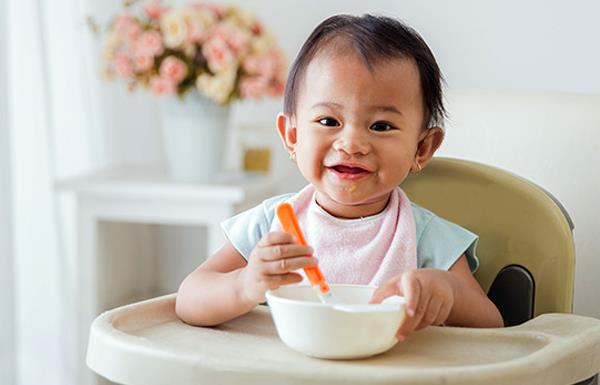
[(194, 131)]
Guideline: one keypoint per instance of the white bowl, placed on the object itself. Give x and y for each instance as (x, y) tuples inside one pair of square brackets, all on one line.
[(350, 328)]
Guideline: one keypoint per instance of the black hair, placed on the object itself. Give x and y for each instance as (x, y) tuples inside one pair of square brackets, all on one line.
[(374, 38)]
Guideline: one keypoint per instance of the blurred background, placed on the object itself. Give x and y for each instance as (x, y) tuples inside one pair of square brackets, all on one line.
[(523, 93)]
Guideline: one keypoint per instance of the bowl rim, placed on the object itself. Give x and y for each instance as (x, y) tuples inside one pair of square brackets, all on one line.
[(269, 294)]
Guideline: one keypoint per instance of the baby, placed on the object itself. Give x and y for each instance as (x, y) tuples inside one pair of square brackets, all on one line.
[(363, 108)]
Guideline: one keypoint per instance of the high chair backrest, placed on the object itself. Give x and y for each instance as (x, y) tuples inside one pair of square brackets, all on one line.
[(526, 241)]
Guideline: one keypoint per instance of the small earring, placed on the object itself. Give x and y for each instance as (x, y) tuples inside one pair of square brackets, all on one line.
[(293, 156), (419, 167)]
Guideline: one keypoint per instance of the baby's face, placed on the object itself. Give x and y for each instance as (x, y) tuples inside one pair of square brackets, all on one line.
[(357, 131)]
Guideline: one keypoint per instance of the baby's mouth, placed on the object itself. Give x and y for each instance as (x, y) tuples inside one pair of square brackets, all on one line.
[(350, 172)]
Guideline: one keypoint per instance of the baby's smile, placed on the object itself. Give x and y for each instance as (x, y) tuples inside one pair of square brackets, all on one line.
[(349, 171)]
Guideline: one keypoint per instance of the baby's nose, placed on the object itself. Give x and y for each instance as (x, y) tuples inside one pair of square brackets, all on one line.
[(352, 142)]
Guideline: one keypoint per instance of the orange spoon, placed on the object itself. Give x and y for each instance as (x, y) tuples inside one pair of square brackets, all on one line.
[(289, 222)]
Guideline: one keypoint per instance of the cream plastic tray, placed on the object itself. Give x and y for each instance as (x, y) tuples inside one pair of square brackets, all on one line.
[(145, 344)]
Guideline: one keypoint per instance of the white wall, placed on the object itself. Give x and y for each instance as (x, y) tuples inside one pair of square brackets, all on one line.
[(522, 45), (7, 290)]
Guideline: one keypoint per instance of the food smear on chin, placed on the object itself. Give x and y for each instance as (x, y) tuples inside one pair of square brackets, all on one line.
[(352, 187)]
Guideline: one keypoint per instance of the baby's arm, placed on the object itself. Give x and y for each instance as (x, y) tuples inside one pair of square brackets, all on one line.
[(436, 297), (210, 294), (225, 286)]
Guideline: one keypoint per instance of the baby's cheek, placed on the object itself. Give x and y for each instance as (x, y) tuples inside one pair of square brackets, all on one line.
[(309, 170), (395, 173)]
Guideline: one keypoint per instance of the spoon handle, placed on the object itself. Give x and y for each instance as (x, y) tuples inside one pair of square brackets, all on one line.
[(289, 222)]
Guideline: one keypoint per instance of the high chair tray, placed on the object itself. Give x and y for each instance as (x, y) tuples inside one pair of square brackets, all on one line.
[(146, 344)]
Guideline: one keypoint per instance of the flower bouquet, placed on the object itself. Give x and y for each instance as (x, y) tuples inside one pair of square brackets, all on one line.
[(222, 52), (205, 54)]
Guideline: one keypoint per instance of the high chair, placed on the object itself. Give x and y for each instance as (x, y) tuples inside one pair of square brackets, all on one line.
[(526, 255), (526, 249)]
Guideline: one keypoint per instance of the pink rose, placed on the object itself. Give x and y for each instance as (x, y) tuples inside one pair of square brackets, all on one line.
[(153, 9), (237, 40), (278, 60), (149, 44), (200, 20), (197, 32), (276, 89), (251, 64), (218, 10), (173, 69), (257, 28), (162, 86), (260, 65), (218, 54), (122, 66), (253, 87), (143, 62), (128, 26)]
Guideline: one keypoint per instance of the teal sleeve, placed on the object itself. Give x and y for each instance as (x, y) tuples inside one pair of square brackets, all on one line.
[(440, 243), (245, 229)]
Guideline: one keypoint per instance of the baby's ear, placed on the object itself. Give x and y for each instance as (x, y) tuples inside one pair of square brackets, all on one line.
[(428, 144), (287, 132)]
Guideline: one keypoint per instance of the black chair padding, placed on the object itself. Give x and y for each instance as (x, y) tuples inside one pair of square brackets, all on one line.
[(512, 292)]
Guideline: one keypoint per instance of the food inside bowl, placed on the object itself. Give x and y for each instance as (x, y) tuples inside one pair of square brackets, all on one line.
[(393, 303)]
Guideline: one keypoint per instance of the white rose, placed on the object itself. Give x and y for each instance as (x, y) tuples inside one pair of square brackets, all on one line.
[(261, 45), (200, 21), (218, 87), (174, 27), (241, 17)]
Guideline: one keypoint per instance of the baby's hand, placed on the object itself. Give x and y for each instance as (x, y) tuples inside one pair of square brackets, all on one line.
[(429, 295), (271, 264)]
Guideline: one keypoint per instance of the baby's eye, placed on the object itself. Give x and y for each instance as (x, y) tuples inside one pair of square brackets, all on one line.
[(330, 122), (381, 126)]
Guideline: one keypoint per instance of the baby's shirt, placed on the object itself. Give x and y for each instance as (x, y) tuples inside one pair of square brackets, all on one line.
[(365, 250)]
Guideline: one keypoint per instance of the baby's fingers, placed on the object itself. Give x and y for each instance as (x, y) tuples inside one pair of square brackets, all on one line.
[(386, 290), (274, 253), (274, 281), (416, 304), (443, 313), (412, 322), (412, 292), (285, 265), (431, 314)]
